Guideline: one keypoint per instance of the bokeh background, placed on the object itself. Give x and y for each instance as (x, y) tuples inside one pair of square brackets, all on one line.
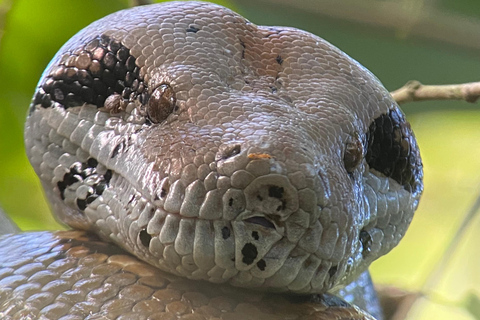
[(433, 41)]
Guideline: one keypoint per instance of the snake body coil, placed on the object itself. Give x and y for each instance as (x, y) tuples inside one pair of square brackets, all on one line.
[(218, 150)]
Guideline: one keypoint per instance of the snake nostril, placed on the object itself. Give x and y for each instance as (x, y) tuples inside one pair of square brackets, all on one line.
[(145, 238), (262, 221), (229, 151)]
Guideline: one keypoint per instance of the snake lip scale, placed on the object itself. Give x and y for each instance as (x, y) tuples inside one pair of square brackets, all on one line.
[(215, 149)]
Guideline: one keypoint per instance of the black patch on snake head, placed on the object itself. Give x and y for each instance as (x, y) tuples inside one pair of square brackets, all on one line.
[(90, 74), (145, 238), (161, 103), (249, 252), (392, 150)]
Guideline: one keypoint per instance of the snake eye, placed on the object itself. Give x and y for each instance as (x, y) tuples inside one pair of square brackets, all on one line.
[(353, 153), (161, 103)]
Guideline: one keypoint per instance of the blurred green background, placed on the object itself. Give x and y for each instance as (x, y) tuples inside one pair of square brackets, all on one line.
[(433, 41)]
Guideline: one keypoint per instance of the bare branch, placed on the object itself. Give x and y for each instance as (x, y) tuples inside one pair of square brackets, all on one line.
[(415, 91), (134, 3)]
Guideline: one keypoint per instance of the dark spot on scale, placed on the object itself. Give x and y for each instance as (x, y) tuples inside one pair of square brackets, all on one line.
[(255, 235), (259, 197), (91, 198), (132, 197), (261, 264), (273, 89), (117, 149), (163, 193), (367, 241), (225, 233), (82, 204), (230, 202), (243, 48), (279, 60), (275, 192), (107, 176), (145, 238), (332, 271), (193, 29), (92, 162), (249, 253)]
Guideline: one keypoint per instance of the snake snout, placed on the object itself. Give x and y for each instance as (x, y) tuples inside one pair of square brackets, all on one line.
[(272, 194)]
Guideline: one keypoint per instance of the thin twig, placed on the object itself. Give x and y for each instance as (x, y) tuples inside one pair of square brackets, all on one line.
[(134, 3), (415, 91), (439, 270)]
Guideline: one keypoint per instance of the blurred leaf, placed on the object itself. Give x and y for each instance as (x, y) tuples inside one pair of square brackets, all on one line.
[(472, 305)]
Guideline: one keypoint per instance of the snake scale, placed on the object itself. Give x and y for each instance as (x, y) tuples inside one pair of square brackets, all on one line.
[(261, 162)]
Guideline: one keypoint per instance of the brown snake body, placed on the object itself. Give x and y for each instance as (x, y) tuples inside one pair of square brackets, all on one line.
[(212, 149)]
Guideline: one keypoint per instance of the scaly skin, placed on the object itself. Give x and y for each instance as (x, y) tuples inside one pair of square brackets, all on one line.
[(218, 150)]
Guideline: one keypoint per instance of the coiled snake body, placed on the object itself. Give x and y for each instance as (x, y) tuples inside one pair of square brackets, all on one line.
[(212, 149)]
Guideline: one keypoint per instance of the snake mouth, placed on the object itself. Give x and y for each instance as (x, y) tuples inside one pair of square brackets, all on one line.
[(264, 222)]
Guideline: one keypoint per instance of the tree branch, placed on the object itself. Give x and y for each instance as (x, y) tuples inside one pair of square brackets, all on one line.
[(134, 3), (415, 91)]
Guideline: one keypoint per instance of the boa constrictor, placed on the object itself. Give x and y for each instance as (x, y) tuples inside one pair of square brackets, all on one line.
[(220, 153)]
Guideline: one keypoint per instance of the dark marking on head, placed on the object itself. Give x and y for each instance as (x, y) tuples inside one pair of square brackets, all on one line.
[(163, 193), (92, 162), (276, 192), (225, 233), (192, 28), (261, 264), (81, 204), (91, 74), (279, 60), (243, 49), (392, 150), (255, 235), (249, 253), (367, 241), (145, 238), (86, 174), (332, 271)]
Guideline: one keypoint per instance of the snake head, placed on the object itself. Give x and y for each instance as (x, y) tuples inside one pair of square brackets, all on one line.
[(216, 149)]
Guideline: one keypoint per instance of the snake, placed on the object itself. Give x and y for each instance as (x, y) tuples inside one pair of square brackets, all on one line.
[(210, 168)]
